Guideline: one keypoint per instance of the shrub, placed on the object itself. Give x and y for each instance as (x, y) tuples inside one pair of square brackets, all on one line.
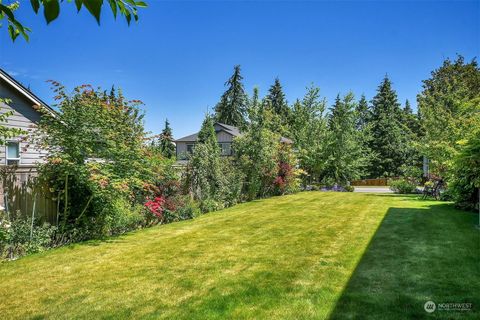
[(465, 177), (189, 210), (98, 166), (403, 186), (349, 188), (17, 238), (210, 205), (125, 217)]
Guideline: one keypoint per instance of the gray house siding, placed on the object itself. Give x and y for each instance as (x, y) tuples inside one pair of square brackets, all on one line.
[(182, 146), (222, 136), (182, 149), (25, 117)]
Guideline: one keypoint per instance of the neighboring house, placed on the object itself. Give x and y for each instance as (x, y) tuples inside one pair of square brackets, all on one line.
[(19, 156), (225, 135), (26, 109)]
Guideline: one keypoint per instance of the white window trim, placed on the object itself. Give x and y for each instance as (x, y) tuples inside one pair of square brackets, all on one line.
[(19, 159)]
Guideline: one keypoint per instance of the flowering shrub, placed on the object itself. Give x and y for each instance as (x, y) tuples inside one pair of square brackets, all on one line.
[(285, 174), (98, 167), (155, 206)]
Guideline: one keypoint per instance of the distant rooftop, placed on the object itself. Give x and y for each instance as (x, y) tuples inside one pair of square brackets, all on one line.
[(234, 131)]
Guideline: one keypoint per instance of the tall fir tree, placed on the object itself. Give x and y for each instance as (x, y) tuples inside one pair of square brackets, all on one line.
[(363, 113), (410, 119), (254, 107), (166, 146), (277, 99), (233, 104), (388, 141)]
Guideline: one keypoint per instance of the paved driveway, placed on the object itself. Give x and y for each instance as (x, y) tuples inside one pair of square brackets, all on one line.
[(373, 189)]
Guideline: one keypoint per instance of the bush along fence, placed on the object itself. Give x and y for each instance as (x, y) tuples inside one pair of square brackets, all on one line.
[(29, 213)]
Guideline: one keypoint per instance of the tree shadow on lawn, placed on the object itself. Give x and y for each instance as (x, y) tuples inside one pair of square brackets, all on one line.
[(416, 255)]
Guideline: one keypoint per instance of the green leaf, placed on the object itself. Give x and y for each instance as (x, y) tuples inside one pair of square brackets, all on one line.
[(128, 16), (35, 5), (141, 4), (13, 32), (113, 5), (51, 10), (121, 6), (7, 12), (78, 4), (135, 15), (94, 7)]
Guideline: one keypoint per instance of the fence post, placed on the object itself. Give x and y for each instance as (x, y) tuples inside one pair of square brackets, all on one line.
[(33, 215)]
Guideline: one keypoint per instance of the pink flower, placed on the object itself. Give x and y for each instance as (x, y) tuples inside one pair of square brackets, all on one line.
[(155, 206)]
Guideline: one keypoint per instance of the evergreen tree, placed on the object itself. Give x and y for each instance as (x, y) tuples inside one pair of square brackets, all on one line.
[(346, 158), (254, 107), (207, 134), (411, 120), (205, 167), (388, 141), (407, 109), (363, 113), (166, 146), (277, 99), (413, 158), (215, 181), (232, 107)]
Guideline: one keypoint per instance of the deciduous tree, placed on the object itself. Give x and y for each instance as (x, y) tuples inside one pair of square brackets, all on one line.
[(345, 157), (51, 11), (449, 106)]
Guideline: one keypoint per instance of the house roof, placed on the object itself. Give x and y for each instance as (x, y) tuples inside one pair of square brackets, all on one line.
[(232, 130), (190, 138), (25, 92)]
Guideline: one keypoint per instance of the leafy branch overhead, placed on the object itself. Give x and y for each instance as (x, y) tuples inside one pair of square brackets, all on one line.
[(51, 11)]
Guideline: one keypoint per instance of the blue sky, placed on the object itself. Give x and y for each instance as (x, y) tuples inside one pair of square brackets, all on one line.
[(178, 56)]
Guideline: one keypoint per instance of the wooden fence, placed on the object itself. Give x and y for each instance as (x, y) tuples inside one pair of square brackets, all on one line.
[(20, 195), (372, 182)]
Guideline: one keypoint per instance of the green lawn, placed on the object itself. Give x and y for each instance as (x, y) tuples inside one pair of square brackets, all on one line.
[(306, 256)]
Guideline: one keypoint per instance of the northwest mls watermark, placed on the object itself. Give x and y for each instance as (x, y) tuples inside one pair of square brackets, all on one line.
[(431, 306)]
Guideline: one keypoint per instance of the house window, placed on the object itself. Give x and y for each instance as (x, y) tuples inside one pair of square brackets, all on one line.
[(190, 148), (226, 148), (13, 152)]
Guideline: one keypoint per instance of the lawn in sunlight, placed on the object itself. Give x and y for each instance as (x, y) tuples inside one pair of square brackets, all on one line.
[(311, 255)]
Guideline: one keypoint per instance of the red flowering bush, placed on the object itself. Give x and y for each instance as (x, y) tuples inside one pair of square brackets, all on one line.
[(279, 183), (284, 175), (156, 206)]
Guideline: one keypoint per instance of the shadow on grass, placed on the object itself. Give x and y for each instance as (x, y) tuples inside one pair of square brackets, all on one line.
[(416, 255)]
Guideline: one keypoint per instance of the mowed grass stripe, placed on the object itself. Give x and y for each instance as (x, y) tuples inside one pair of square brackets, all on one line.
[(309, 255)]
